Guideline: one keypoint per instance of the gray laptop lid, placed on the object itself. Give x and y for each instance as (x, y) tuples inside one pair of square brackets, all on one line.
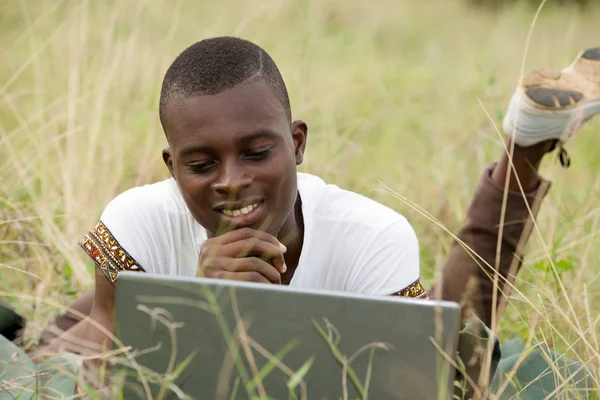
[(215, 337)]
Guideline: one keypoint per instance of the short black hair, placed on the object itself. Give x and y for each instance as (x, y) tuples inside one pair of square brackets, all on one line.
[(213, 65)]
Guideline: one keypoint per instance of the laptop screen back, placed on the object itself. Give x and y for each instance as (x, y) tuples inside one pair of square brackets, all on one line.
[(227, 340)]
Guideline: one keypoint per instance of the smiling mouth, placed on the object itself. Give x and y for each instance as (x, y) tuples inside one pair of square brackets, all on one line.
[(240, 211)]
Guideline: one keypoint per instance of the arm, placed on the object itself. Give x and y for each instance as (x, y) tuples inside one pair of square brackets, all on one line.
[(92, 334), (127, 236), (238, 255)]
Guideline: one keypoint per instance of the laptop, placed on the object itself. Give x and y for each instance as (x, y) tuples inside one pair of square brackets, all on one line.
[(217, 339)]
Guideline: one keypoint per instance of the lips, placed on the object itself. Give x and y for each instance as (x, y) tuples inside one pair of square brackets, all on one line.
[(242, 213)]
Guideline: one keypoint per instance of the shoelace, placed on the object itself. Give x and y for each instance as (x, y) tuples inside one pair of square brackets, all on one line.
[(563, 154), (564, 157)]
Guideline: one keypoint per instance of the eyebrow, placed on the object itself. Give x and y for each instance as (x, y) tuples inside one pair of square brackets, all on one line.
[(258, 134), (196, 149)]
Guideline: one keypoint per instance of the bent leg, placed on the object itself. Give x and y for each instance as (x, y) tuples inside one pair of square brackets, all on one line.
[(468, 276)]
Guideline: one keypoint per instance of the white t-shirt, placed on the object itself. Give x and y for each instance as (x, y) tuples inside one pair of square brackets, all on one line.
[(351, 243)]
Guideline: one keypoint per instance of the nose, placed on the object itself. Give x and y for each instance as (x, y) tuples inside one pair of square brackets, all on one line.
[(232, 178)]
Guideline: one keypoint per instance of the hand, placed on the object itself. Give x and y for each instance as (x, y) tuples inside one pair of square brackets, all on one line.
[(243, 255)]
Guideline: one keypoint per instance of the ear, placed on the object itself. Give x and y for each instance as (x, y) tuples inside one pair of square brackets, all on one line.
[(168, 159), (299, 136)]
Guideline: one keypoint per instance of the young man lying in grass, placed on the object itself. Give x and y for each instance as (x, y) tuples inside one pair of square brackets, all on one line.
[(236, 208)]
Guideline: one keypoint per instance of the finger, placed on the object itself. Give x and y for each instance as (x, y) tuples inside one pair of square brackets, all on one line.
[(247, 264), (247, 233), (259, 248), (214, 247), (254, 247)]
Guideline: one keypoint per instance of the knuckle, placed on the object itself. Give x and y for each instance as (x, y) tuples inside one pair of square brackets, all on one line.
[(210, 266), (253, 240), (254, 234), (246, 232), (250, 244), (253, 262), (255, 277), (204, 250)]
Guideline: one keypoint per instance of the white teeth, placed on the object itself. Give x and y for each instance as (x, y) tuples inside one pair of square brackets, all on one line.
[(241, 211), (249, 208)]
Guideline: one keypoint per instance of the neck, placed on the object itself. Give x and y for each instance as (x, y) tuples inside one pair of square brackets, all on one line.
[(292, 236)]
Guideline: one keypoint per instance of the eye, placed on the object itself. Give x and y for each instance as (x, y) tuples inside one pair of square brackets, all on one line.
[(258, 154), (202, 167)]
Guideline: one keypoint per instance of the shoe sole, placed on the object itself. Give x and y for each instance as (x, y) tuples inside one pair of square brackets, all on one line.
[(565, 98), (559, 90)]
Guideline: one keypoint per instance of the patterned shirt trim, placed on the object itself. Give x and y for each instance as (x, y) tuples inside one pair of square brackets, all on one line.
[(108, 255), (414, 290)]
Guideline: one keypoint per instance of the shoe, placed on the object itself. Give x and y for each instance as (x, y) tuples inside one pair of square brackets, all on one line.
[(554, 105), (11, 323)]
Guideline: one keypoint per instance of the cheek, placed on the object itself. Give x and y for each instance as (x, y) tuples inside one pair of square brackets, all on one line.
[(192, 188), (286, 187), (281, 172)]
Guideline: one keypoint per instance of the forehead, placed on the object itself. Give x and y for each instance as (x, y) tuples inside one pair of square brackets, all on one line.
[(243, 109)]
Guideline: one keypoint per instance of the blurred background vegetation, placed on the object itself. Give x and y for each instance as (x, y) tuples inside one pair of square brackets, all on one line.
[(532, 3), (397, 92)]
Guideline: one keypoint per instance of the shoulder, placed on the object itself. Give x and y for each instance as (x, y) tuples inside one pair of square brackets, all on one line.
[(377, 246), (147, 214), (332, 203), (147, 200), (135, 229)]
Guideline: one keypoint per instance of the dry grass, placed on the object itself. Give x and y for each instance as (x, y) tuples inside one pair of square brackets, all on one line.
[(391, 92)]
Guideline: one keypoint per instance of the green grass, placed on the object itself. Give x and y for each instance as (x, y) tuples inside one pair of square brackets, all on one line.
[(390, 91)]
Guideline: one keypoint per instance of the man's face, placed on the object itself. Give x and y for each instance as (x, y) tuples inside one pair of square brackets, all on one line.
[(234, 157)]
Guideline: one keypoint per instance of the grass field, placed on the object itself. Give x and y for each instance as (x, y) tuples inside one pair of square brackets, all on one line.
[(394, 93)]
